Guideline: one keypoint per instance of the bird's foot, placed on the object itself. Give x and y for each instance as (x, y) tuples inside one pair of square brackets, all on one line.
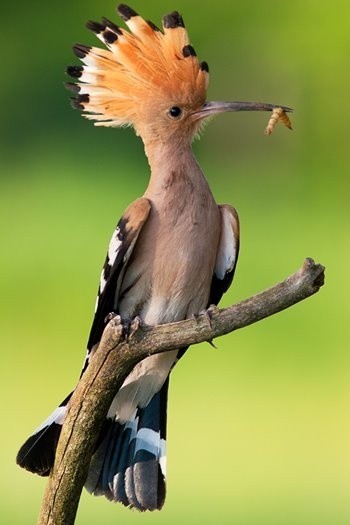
[(129, 328), (196, 316), (133, 327), (114, 327), (209, 314), (110, 316)]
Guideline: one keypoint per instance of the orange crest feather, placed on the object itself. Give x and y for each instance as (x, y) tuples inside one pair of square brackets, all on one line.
[(141, 65)]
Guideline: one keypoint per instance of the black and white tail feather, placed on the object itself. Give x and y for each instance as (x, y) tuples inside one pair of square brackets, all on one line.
[(129, 464)]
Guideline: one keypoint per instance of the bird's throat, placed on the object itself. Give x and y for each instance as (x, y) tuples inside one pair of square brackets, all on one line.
[(174, 168)]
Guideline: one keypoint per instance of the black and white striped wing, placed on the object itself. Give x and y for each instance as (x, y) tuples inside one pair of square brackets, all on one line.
[(226, 259), (119, 251)]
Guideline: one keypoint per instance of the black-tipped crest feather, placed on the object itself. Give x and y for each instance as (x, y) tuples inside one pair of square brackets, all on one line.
[(110, 37), (188, 51), (79, 101), (173, 20), (95, 27), (80, 50), (126, 12), (71, 86), (74, 71)]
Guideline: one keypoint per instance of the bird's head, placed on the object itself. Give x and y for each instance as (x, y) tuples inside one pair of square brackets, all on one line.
[(148, 78)]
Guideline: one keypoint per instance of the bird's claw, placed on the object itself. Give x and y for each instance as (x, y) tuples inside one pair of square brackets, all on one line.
[(209, 314), (110, 316), (134, 326), (129, 328)]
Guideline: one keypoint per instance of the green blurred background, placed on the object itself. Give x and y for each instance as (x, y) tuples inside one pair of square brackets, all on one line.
[(258, 429)]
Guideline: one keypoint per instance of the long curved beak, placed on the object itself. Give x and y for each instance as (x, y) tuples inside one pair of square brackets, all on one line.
[(213, 108)]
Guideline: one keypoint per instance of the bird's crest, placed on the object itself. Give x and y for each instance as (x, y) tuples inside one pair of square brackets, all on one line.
[(139, 65)]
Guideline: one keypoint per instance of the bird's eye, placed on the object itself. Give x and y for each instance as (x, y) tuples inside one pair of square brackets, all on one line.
[(175, 112)]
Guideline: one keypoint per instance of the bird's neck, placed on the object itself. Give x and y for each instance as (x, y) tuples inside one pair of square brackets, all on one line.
[(169, 164)]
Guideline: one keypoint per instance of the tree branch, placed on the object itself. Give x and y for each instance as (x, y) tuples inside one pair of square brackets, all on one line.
[(116, 357)]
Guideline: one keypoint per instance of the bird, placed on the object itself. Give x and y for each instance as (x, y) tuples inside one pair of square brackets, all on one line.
[(173, 253)]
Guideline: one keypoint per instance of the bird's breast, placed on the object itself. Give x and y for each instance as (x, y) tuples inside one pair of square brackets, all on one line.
[(170, 272)]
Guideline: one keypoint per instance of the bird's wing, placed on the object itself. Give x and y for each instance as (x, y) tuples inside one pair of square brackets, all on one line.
[(227, 254), (38, 452), (119, 251)]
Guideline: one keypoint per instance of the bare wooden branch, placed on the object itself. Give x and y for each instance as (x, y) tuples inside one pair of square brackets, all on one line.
[(114, 360)]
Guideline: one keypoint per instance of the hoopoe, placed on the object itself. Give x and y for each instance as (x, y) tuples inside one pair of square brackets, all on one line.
[(173, 253)]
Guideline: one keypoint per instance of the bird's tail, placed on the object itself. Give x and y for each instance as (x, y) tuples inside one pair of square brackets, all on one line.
[(128, 465), (37, 454)]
